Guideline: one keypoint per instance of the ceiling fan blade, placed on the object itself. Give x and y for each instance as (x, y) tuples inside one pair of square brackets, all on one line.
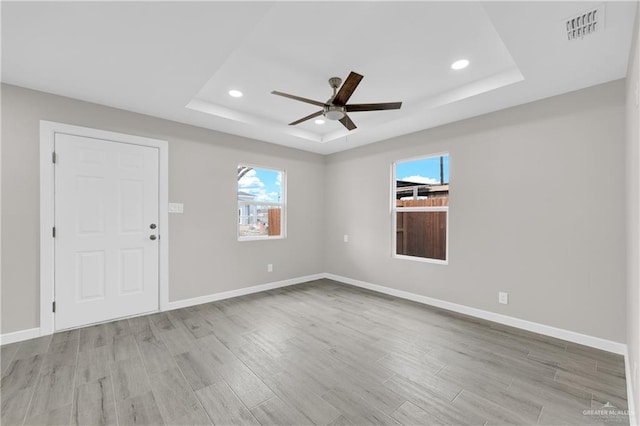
[(298, 98), (308, 117), (346, 121), (373, 107), (347, 89)]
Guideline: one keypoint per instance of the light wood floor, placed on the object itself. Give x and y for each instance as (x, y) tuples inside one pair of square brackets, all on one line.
[(318, 353)]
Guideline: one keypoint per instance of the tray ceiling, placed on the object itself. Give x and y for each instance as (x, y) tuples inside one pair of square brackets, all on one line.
[(179, 60)]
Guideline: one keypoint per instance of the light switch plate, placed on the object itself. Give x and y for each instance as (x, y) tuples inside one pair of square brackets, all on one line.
[(176, 208)]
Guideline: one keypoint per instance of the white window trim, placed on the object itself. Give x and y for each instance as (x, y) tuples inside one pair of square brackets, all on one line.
[(422, 209), (393, 210), (48, 130), (282, 205), (259, 203)]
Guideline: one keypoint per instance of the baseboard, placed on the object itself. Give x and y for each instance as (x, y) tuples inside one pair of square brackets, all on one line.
[(631, 402), (31, 333), (241, 292), (19, 336), (559, 333), (583, 339)]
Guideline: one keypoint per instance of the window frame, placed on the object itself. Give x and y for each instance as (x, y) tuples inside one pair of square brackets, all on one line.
[(282, 204), (394, 210)]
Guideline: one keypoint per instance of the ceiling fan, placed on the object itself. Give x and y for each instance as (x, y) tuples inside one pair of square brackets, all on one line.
[(336, 107)]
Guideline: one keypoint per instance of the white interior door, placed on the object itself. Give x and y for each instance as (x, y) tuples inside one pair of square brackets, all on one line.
[(106, 235)]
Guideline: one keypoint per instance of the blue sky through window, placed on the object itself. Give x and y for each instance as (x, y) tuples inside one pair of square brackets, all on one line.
[(263, 184), (424, 170)]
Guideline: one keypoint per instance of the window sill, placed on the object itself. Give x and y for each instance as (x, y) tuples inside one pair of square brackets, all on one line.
[(265, 238), (420, 259)]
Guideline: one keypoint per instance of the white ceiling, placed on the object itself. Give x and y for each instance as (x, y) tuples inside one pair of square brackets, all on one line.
[(178, 60)]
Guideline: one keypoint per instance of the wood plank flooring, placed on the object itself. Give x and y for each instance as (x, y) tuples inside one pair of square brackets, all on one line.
[(319, 353)]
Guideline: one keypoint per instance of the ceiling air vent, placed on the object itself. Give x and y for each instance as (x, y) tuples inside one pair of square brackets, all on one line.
[(584, 24)]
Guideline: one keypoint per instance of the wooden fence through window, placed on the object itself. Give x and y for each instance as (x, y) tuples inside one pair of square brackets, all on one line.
[(274, 221), (422, 234)]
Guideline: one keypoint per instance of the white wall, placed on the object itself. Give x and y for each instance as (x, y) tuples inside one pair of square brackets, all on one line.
[(536, 209), (633, 218), (205, 256)]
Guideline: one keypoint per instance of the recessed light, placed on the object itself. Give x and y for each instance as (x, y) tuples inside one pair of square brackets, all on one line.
[(458, 65), (235, 93), (319, 121)]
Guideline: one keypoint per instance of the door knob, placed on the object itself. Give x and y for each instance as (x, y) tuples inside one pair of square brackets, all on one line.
[(153, 237), (152, 226)]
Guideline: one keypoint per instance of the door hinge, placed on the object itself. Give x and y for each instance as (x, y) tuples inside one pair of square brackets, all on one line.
[(54, 306), (53, 157), (53, 232)]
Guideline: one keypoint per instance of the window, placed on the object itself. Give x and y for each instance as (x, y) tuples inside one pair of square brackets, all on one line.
[(420, 208), (260, 203)]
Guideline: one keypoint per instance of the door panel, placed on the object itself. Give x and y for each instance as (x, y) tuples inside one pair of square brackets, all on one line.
[(90, 275), (106, 198), (131, 274), (90, 193), (131, 205)]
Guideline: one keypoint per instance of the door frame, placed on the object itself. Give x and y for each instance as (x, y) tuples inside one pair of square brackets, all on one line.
[(48, 130)]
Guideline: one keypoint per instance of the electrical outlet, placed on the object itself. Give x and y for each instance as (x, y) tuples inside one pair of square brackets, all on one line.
[(269, 267), (346, 238), (176, 208), (503, 297)]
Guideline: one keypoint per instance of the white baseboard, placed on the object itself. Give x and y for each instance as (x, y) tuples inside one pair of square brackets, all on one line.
[(571, 336), (241, 292), (19, 336), (631, 402), (31, 333), (559, 333)]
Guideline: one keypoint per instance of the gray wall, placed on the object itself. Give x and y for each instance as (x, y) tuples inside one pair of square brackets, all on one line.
[(633, 218), (205, 257), (536, 209)]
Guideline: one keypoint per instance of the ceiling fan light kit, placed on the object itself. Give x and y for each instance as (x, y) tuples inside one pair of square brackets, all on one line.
[(336, 107), (333, 112)]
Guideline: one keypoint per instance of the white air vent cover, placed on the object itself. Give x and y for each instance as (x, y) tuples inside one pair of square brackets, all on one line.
[(584, 24)]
